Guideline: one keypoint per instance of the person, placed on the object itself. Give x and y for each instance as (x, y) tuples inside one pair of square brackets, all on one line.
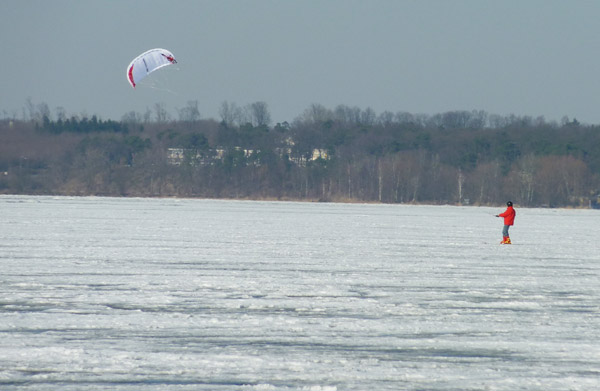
[(509, 219)]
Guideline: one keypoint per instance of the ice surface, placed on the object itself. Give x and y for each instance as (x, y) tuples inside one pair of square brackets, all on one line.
[(129, 294)]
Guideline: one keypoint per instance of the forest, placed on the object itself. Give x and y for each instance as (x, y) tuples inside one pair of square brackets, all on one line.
[(345, 154)]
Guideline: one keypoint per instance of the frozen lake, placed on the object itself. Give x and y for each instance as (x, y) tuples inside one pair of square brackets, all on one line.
[(154, 294)]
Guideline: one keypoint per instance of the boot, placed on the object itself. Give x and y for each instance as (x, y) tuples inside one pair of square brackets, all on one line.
[(507, 240), (503, 240)]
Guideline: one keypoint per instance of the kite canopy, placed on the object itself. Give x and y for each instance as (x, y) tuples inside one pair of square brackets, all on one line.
[(148, 62)]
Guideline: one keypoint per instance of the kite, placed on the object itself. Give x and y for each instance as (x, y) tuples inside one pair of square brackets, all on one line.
[(148, 62)]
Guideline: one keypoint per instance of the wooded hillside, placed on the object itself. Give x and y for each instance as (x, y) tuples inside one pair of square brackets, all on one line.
[(345, 154)]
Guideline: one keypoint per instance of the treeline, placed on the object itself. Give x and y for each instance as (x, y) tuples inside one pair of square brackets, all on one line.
[(84, 125), (341, 154)]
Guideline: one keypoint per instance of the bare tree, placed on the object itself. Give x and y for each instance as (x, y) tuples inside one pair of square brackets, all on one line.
[(131, 117), (36, 113), (385, 119), (162, 115), (61, 113), (347, 115), (527, 167), (43, 111), (316, 113), (483, 185), (368, 117), (232, 115), (260, 114), (562, 179), (190, 113), (29, 111), (147, 115)]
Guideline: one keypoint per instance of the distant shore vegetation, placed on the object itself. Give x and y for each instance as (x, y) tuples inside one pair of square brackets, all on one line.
[(344, 154)]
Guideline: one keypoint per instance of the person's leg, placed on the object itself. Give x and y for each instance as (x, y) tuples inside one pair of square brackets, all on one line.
[(505, 235)]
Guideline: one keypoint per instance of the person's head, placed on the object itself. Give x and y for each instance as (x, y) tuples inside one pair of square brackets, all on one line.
[(509, 203)]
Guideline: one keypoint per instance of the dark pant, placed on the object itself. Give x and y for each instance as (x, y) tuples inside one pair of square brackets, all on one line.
[(505, 230)]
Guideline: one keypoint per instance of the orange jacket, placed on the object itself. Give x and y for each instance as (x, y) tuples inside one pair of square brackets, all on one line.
[(509, 216)]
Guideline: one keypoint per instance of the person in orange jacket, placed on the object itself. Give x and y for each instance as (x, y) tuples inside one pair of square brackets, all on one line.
[(509, 219)]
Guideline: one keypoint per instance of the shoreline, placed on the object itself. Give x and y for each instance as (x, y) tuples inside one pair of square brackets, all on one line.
[(289, 199)]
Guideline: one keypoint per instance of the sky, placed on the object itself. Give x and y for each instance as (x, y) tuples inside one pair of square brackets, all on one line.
[(522, 57)]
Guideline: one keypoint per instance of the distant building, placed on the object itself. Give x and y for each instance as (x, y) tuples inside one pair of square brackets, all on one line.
[(301, 161), (175, 156), (179, 156)]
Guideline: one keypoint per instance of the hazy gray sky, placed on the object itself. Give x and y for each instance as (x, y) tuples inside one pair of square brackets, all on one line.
[(524, 57)]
